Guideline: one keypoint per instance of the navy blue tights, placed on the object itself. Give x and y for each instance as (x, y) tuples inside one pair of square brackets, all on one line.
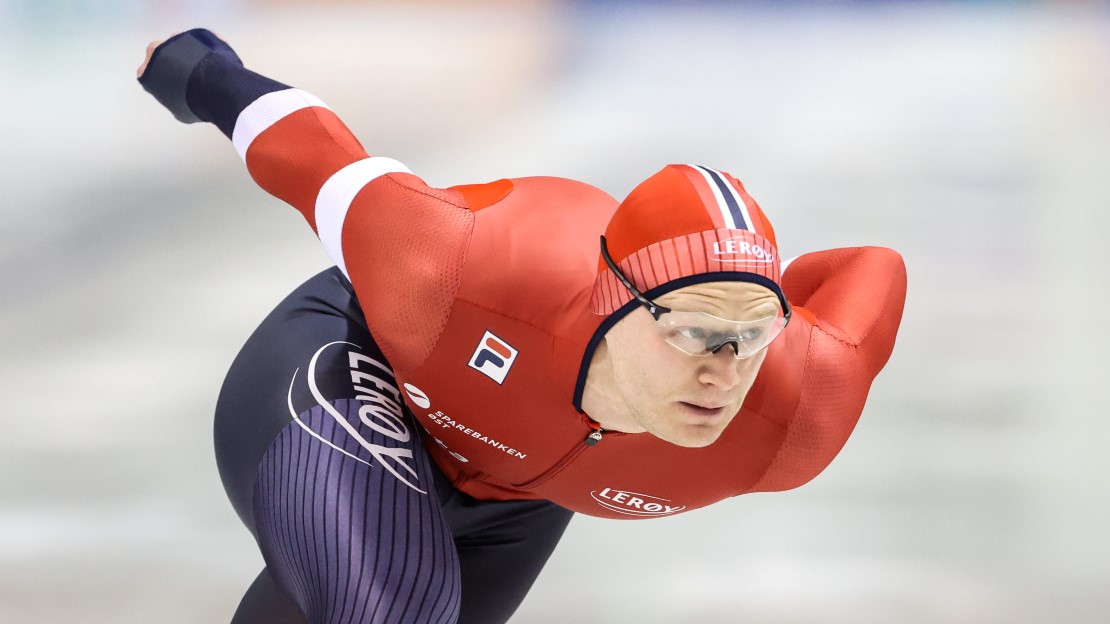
[(326, 467)]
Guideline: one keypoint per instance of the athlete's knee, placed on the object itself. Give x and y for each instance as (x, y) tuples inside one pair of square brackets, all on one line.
[(264, 603)]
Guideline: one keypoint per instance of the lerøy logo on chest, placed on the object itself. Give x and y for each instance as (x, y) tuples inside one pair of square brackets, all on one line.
[(493, 357)]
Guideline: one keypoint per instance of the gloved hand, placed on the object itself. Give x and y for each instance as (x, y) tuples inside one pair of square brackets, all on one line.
[(165, 71)]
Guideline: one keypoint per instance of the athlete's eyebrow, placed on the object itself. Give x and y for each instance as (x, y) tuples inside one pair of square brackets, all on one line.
[(770, 306), (759, 311), (764, 312)]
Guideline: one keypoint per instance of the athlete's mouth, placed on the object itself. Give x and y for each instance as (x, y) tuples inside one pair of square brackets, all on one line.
[(702, 410)]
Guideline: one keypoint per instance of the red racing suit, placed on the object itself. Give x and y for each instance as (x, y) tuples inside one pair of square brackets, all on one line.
[(479, 296)]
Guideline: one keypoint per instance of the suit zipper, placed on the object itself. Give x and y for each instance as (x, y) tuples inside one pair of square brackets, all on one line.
[(592, 439)]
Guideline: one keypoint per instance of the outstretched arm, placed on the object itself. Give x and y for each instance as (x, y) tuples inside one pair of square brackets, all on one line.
[(400, 242), (291, 141)]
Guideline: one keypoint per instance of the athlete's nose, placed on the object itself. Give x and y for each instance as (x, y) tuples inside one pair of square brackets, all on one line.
[(728, 343), (721, 369)]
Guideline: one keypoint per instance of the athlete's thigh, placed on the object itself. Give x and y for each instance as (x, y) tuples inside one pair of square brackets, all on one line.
[(341, 499), (502, 547), (254, 402), (347, 526)]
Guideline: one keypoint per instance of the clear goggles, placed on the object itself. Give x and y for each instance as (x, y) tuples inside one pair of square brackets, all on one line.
[(701, 334)]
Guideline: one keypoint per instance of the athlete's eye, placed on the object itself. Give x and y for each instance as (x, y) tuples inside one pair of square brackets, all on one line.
[(693, 333), (752, 334)]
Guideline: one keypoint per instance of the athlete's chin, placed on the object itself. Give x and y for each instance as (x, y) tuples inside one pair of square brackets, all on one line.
[(691, 436), (690, 426)]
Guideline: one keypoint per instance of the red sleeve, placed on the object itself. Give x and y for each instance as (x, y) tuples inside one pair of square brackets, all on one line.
[(293, 158), (401, 242), (854, 298), (404, 245)]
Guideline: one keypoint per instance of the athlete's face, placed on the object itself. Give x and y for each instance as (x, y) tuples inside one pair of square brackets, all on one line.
[(685, 400)]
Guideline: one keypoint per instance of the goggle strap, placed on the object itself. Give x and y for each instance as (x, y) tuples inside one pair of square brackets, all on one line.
[(655, 309)]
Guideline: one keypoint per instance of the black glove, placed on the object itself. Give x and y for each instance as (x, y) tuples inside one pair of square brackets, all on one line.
[(166, 76)]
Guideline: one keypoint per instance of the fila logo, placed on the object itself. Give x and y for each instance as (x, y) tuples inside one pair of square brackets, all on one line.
[(755, 254), (493, 357)]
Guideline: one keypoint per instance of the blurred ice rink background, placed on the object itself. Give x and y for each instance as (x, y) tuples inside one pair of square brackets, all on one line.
[(137, 255)]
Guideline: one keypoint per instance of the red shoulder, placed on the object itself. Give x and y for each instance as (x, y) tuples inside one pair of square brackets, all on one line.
[(479, 196), (853, 299), (404, 244), (856, 295)]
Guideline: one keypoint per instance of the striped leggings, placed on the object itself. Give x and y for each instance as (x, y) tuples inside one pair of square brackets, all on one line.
[(326, 468)]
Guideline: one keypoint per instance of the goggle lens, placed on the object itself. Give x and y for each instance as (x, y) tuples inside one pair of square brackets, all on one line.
[(702, 334)]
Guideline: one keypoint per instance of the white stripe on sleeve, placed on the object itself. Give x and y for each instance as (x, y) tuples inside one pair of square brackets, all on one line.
[(336, 196), (265, 112)]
